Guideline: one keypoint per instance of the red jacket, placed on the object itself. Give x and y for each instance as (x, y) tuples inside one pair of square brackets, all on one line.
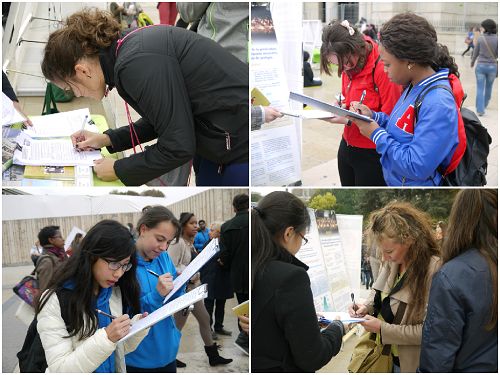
[(381, 101)]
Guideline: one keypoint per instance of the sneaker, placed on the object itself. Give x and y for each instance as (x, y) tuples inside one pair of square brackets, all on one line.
[(242, 342), (223, 332)]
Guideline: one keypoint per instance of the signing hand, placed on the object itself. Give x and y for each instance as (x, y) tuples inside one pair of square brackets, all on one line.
[(361, 109), (372, 324), (165, 284), (361, 310), (104, 169), (271, 114), (85, 140), (118, 328)]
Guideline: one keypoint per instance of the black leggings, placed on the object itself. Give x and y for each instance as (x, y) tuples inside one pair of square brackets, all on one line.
[(359, 166)]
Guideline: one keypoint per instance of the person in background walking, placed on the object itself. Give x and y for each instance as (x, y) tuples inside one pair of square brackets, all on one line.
[(469, 41), (486, 55)]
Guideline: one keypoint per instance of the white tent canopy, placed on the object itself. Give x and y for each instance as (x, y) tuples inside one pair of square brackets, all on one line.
[(18, 207)]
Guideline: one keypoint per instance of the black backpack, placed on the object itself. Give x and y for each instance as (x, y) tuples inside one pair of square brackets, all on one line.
[(32, 355), (472, 168)]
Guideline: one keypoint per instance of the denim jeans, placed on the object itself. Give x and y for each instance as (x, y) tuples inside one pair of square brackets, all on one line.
[(485, 76)]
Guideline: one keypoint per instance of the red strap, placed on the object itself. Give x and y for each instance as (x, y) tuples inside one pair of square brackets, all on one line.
[(133, 134)]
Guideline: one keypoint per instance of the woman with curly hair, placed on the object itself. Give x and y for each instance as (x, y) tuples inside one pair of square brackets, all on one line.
[(406, 240), (191, 94), (423, 138), (460, 332)]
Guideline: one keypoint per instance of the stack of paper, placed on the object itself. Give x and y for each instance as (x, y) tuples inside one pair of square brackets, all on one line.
[(61, 124), (53, 152)]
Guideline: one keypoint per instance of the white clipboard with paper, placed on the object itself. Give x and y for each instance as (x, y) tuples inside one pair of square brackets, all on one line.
[(327, 107), (167, 310), (203, 257)]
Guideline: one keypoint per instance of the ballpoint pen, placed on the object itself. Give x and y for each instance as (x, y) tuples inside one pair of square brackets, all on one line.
[(340, 99), (84, 122), (83, 126), (363, 94), (289, 114), (354, 307), (152, 272), (105, 314)]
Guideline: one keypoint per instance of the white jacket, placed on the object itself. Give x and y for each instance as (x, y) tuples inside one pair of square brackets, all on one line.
[(74, 355)]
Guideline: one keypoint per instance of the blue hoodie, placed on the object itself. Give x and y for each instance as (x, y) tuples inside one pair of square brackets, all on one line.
[(160, 346), (411, 153), (201, 238)]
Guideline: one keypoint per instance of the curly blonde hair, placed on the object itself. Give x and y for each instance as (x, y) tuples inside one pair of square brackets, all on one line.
[(405, 224)]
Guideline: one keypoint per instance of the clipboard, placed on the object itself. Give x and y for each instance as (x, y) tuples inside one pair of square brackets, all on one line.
[(327, 107), (167, 310)]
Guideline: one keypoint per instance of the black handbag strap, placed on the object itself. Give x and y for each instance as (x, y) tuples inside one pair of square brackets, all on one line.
[(386, 350)]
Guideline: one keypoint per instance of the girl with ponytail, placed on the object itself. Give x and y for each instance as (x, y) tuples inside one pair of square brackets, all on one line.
[(424, 136), (285, 331)]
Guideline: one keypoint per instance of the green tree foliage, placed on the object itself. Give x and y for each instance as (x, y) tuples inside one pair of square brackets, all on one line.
[(128, 192), (153, 193), (324, 201), (436, 202), (255, 197)]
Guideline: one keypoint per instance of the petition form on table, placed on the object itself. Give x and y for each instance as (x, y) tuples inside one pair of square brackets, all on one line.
[(167, 310), (61, 124), (203, 257), (55, 152)]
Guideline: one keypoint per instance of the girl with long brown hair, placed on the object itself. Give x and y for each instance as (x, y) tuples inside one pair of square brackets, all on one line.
[(358, 60), (460, 333), (406, 240)]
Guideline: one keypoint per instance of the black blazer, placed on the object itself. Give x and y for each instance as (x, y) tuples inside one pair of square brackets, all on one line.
[(191, 94), (285, 333)]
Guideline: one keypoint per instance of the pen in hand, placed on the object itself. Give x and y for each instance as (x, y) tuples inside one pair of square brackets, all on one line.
[(83, 126), (340, 99), (354, 307), (105, 314), (152, 272), (363, 94)]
